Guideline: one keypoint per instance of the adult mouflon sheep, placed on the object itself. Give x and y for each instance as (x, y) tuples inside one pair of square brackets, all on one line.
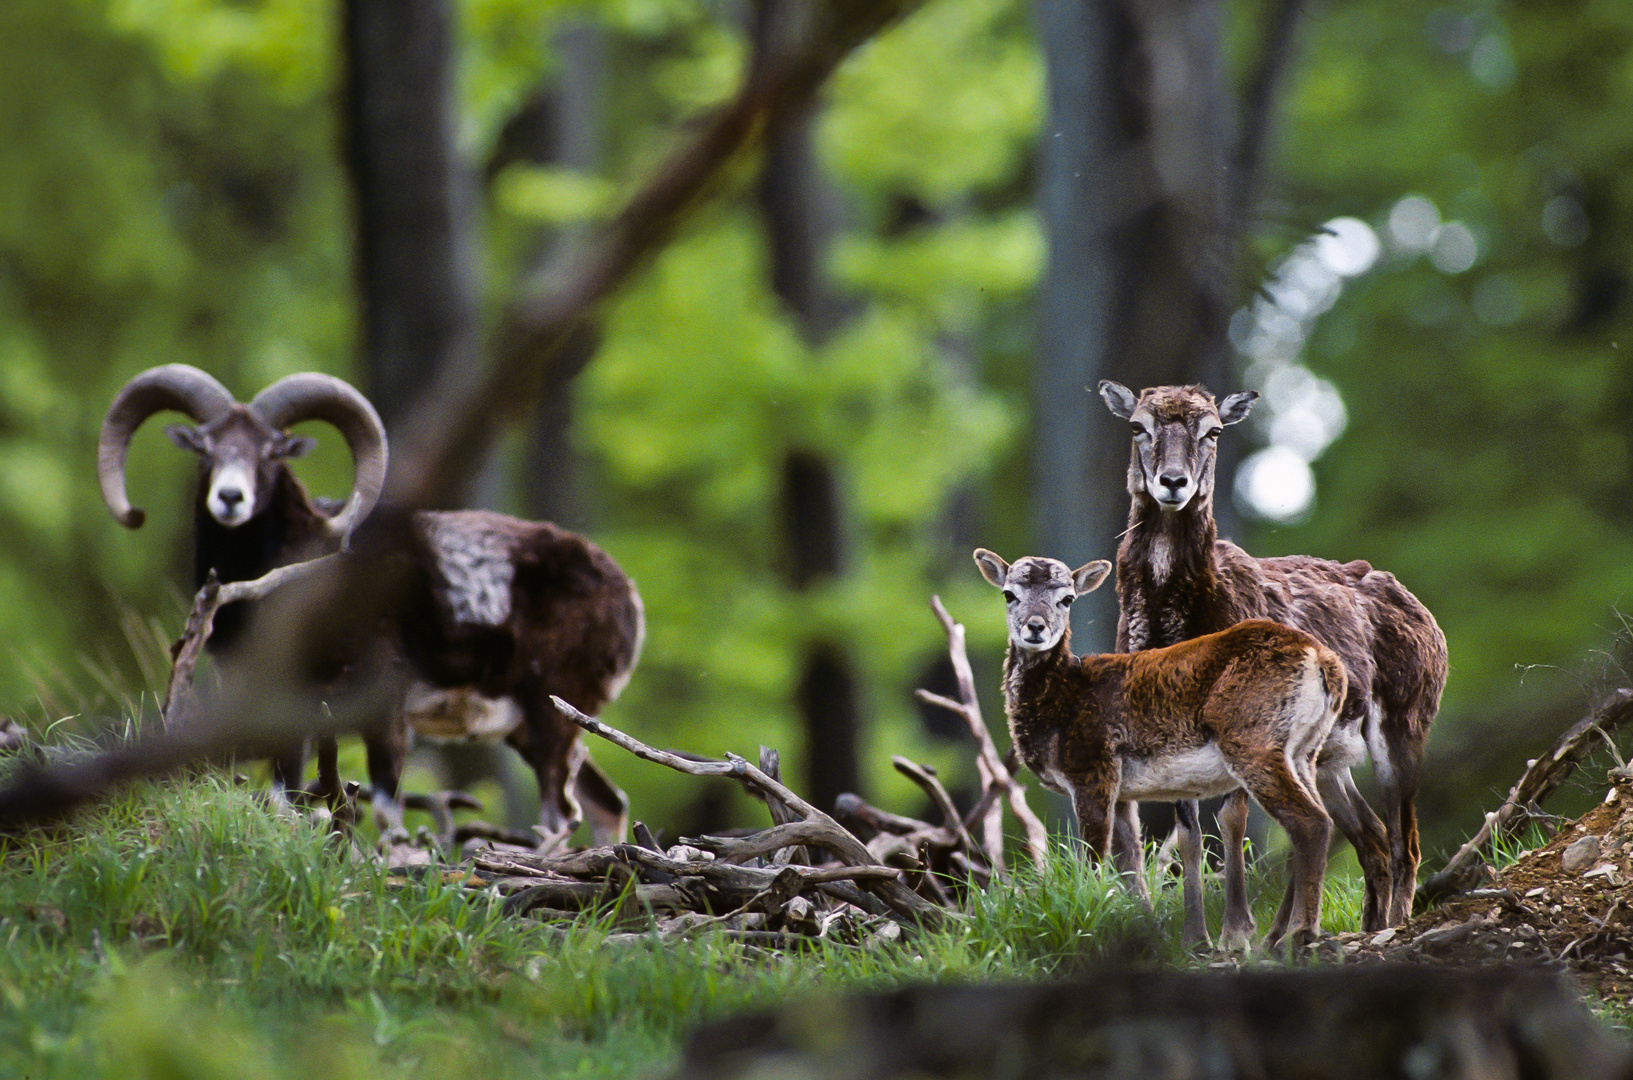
[(1176, 579)]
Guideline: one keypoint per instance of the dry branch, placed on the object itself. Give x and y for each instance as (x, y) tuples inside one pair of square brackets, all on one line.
[(834, 837), (1542, 777), (997, 781)]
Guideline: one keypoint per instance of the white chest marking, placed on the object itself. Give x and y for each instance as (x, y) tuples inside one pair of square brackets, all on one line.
[(476, 573), (1162, 559)]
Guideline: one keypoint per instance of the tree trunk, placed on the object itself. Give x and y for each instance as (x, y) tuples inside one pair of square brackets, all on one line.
[(415, 268), (1132, 193), (801, 214)]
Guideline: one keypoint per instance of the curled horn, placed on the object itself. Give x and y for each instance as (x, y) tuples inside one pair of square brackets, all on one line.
[(180, 387), (313, 396)]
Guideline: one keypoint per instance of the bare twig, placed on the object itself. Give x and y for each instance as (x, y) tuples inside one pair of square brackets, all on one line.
[(996, 776), (1542, 777), (838, 840)]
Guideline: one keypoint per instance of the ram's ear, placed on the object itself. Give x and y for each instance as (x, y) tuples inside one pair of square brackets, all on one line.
[(1118, 398), (189, 438), (1234, 409), (1089, 576), (286, 446), (994, 569)]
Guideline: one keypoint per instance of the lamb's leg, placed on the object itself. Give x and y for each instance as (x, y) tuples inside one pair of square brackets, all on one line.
[(1237, 929), (1296, 809), (1188, 831), (1127, 853)]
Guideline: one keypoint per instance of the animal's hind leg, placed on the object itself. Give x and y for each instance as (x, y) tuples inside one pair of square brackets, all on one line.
[(605, 806), (289, 772), (1365, 832), (547, 741), (386, 745), (1296, 809)]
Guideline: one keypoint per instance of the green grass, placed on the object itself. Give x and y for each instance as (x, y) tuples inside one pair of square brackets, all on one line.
[(182, 931)]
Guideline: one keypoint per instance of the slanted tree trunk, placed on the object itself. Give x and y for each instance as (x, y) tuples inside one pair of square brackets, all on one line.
[(415, 269), (801, 215), (1132, 193)]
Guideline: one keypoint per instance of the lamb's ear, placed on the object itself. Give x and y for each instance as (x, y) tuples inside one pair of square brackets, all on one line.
[(1119, 399), (1234, 409), (994, 569), (1089, 576)]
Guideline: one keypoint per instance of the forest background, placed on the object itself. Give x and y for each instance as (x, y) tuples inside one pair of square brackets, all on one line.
[(1409, 224)]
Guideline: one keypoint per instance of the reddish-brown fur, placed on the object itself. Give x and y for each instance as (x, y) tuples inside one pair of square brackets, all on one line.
[(1176, 580), (1248, 706)]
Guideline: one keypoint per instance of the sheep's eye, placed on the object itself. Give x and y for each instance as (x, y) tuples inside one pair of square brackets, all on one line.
[(1066, 601), (1139, 430), (1213, 434), (1009, 597)]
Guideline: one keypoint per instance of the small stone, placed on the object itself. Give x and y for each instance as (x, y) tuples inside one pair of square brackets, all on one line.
[(1580, 854), (1540, 890), (1382, 938)]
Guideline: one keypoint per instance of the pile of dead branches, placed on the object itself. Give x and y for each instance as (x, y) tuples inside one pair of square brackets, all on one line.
[(807, 877)]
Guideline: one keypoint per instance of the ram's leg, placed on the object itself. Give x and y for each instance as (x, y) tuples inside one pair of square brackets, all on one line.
[(386, 745), (1237, 929), (1188, 830), (605, 806), (547, 741), (288, 774)]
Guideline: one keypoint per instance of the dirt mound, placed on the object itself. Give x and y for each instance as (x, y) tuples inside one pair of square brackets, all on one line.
[(1569, 902)]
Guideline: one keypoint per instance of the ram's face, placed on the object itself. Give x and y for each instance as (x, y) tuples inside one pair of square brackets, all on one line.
[(241, 456)]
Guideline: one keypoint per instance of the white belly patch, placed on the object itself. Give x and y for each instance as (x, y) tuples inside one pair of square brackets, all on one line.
[(458, 715), (476, 573), (1189, 774)]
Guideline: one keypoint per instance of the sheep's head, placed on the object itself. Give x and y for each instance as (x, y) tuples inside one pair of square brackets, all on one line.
[(1176, 432), (1038, 595), (242, 447)]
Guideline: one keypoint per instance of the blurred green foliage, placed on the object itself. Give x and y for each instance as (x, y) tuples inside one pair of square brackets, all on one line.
[(173, 193)]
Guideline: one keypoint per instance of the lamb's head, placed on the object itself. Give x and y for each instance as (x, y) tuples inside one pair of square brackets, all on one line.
[(242, 446), (1038, 595), (1176, 431)]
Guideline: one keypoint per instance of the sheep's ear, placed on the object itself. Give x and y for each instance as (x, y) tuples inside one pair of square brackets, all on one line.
[(188, 438), (994, 569), (291, 446), (1118, 398), (1234, 409), (1089, 576)]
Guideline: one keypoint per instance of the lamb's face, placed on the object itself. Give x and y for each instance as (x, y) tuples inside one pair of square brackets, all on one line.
[(1038, 595)]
